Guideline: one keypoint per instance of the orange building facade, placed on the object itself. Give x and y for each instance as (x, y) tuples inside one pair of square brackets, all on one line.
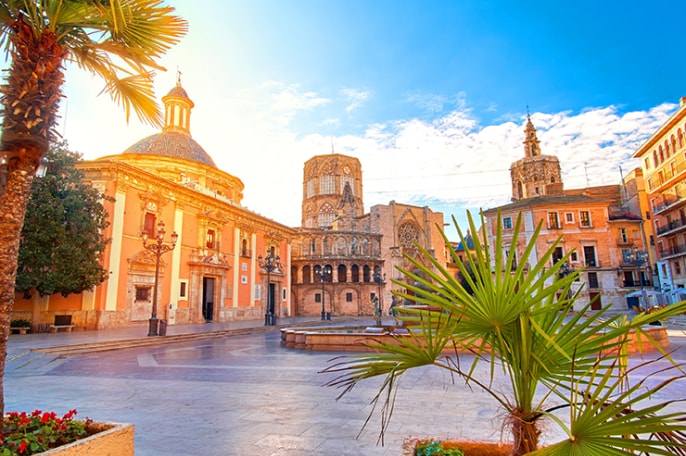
[(215, 271), (600, 227), (663, 159)]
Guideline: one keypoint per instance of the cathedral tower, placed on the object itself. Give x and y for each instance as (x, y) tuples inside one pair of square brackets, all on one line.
[(332, 191), (535, 174)]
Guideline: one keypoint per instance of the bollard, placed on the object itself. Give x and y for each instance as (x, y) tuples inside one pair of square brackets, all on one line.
[(163, 328)]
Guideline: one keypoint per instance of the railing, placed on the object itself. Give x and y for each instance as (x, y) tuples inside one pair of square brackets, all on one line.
[(666, 202), (660, 178), (637, 283), (246, 253), (671, 226), (673, 250)]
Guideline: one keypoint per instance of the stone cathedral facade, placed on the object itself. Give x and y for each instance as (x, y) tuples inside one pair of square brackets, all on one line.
[(343, 259)]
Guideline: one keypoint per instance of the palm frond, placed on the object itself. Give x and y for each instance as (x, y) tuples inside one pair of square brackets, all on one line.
[(519, 318), (609, 418)]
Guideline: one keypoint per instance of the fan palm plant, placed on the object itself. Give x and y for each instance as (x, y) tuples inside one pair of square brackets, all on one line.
[(117, 40), (519, 320)]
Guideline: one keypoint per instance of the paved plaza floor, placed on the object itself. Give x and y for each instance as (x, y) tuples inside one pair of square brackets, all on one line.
[(243, 394)]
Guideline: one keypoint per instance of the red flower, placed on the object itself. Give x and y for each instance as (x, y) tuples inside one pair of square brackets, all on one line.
[(22, 446)]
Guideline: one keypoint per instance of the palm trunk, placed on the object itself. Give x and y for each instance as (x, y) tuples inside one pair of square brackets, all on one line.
[(30, 103), (12, 210), (526, 434)]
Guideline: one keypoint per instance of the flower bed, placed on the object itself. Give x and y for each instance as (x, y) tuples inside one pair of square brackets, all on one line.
[(46, 433)]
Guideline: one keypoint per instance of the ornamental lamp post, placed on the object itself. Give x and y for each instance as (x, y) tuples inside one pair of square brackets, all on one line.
[(326, 270), (269, 264), (158, 248), (639, 258), (379, 280)]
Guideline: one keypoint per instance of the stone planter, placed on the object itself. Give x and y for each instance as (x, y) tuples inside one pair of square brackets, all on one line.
[(110, 439), (470, 448)]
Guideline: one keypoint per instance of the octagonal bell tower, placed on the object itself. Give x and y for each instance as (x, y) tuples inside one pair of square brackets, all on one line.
[(535, 174), (332, 192)]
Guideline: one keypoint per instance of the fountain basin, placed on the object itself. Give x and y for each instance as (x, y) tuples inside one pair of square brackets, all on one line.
[(357, 338)]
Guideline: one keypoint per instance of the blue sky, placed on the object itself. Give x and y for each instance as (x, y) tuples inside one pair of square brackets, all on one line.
[(431, 96)]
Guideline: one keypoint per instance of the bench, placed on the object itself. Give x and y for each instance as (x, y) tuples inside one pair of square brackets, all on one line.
[(62, 322), (19, 329)]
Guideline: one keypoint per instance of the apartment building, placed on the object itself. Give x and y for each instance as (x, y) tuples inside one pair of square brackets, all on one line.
[(601, 228), (663, 160)]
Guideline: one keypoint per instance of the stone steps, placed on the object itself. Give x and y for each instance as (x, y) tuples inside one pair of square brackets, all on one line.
[(45, 357)]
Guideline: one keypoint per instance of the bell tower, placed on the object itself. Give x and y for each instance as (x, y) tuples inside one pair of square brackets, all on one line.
[(332, 191), (535, 174)]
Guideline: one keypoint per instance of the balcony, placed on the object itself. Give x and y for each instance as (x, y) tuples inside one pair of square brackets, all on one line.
[(667, 203), (672, 251), (634, 283), (665, 175), (674, 225)]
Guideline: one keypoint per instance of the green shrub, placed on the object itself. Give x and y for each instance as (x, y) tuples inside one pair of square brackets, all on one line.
[(20, 323), (435, 448)]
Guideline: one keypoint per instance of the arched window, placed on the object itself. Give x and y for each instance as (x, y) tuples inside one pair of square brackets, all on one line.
[(341, 246), (342, 273), (355, 273), (326, 215), (244, 248), (307, 274), (366, 274), (327, 185)]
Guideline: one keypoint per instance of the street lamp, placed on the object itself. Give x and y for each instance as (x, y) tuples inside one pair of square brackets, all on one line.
[(379, 280), (639, 258), (270, 263), (158, 247), (326, 270)]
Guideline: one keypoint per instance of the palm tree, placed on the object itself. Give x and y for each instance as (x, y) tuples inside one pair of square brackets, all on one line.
[(118, 40), (518, 318)]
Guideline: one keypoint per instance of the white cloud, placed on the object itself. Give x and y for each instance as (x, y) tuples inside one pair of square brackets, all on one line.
[(430, 103), (452, 161), (355, 98)]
